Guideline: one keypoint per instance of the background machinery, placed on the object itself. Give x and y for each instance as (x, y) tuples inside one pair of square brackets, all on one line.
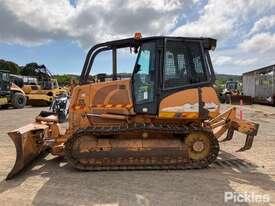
[(231, 88), (166, 116), (232, 93), (10, 93), (60, 107), (47, 89)]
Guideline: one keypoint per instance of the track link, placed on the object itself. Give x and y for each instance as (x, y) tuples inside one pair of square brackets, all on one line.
[(167, 163)]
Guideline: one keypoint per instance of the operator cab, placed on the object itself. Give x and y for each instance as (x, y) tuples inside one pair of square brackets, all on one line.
[(164, 65), (50, 84)]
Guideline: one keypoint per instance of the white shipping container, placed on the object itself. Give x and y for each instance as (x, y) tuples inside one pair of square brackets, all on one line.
[(260, 85)]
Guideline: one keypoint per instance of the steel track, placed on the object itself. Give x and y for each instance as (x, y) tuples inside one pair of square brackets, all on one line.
[(167, 163)]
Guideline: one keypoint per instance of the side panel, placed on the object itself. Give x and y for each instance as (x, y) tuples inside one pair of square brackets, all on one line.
[(111, 94), (264, 87), (249, 81), (186, 104), (112, 97)]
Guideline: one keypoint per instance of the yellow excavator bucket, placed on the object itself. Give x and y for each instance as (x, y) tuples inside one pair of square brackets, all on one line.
[(28, 142)]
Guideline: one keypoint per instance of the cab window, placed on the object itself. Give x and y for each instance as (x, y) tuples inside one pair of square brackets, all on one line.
[(5, 77), (183, 64)]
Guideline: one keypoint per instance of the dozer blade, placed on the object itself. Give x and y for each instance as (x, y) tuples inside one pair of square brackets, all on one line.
[(29, 144)]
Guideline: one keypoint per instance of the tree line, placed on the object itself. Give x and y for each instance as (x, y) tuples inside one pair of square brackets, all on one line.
[(35, 70)]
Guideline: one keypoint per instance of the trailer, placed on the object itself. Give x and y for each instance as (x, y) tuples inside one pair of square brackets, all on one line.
[(260, 85)]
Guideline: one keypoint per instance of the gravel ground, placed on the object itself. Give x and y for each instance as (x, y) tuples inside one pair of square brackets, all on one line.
[(50, 181)]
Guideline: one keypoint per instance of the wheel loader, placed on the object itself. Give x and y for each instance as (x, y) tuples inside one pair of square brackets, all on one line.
[(10, 93), (166, 116)]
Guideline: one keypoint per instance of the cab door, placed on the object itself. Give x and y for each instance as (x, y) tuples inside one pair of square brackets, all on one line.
[(145, 79)]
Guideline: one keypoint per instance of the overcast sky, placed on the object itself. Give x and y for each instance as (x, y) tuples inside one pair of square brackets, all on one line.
[(58, 33)]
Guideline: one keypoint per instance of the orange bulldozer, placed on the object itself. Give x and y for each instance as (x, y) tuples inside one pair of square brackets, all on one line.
[(166, 115)]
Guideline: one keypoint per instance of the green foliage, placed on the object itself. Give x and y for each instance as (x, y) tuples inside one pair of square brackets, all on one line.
[(29, 69), (65, 79), (222, 78), (9, 66)]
